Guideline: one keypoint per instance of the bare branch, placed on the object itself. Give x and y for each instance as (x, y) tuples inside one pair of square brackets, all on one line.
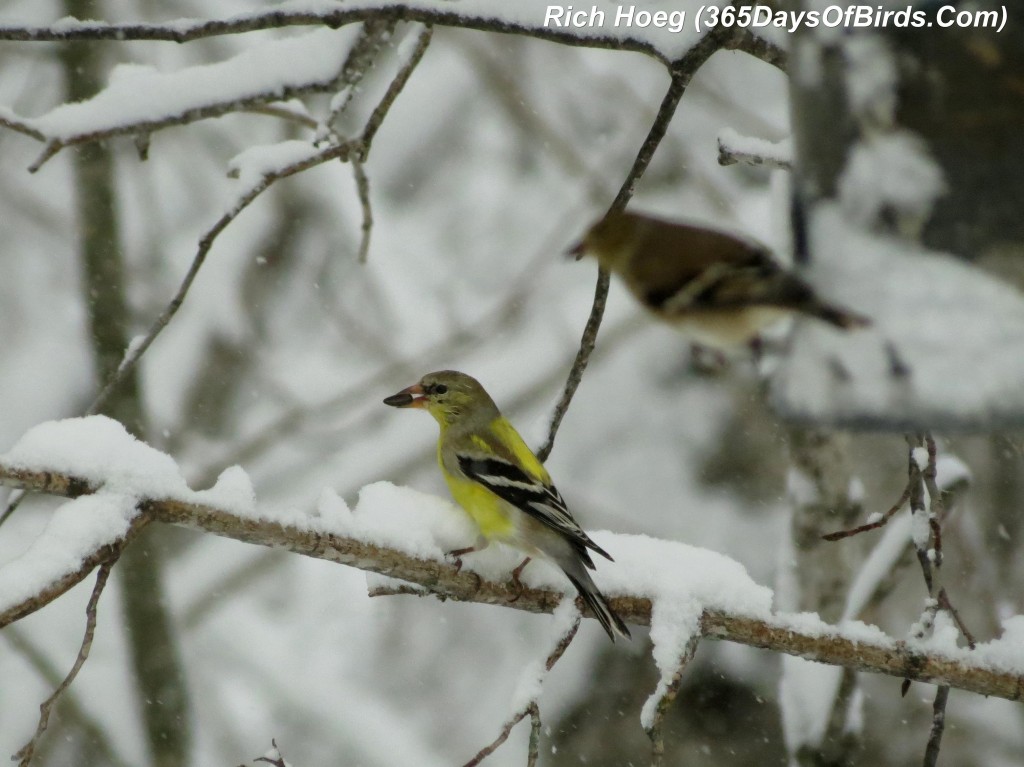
[(205, 243), (73, 714), (350, 13), (681, 76), (587, 343), (882, 655), (931, 752), (397, 84), (530, 709), (26, 752), (880, 522), (361, 58), (363, 190), (10, 121), (758, 47)]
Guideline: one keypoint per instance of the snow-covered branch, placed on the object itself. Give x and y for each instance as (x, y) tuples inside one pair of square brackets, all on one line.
[(507, 18), (992, 669)]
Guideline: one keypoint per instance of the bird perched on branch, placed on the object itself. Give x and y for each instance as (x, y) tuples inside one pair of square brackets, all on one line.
[(722, 290), (503, 486)]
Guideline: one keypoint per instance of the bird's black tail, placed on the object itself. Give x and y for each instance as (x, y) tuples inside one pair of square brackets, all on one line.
[(841, 318), (598, 605)]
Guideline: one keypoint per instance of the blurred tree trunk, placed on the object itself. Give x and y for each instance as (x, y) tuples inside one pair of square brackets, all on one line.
[(158, 670)]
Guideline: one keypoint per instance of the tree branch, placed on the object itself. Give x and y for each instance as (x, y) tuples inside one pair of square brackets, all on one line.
[(350, 13), (882, 655), (26, 752)]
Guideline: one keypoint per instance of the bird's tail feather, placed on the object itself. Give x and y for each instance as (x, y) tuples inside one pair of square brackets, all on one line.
[(595, 600)]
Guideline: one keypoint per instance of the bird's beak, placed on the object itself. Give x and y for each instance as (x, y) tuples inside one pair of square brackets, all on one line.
[(411, 397), (577, 251)]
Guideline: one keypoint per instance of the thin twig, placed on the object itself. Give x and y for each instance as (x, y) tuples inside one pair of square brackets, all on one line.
[(587, 343), (654, 732), (681, 76), (880, 522), (376, 118), (360, 60), (759, 47), (931, 752), (945, 604), (12, 505), (530, 709), (205, 243), (363, 189), (73, 715), (26, 752), (533, 748), (275, 759), (283, 113)]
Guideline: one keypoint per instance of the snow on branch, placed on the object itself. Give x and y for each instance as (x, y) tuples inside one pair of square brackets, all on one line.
[(684, 591), (524, 17)]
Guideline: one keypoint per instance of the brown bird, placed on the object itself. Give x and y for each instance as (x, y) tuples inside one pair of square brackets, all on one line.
[(720, 289)]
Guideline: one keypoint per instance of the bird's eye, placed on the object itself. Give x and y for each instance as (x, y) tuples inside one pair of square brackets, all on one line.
[(440, 389)]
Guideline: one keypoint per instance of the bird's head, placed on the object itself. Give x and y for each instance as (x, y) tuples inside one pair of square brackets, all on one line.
[(448, 395), (611, 240)]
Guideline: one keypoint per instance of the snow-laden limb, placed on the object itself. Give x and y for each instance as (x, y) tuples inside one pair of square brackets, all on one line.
[(139, 100), (735, 148), (662, 581), (531, 682), (115, 475), (524, 17)]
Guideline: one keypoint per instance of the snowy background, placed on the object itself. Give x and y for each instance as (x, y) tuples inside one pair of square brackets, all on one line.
[(495, 157)]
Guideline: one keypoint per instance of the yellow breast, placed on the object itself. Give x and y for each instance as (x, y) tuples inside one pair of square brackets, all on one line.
[(485, 508)]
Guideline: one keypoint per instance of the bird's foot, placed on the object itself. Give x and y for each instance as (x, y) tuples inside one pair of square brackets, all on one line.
[(456, 555), (519, 587)]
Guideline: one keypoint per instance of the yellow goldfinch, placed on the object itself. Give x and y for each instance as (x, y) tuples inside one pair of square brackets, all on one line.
[(720, 289), (503, 486)]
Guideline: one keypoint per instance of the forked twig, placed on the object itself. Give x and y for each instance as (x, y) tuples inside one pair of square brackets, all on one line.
[(880, 522), (24, 755), (343, 151)]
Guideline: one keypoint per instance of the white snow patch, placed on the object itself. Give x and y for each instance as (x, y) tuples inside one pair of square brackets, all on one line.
[(233, 492), (102, 452), (871, 79), (1007, 652), (800, 489), (950, 471), (77, 529), (780, 152), (956, 331), (143, 95), (920, 527), (891, 173), (919, 455)]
